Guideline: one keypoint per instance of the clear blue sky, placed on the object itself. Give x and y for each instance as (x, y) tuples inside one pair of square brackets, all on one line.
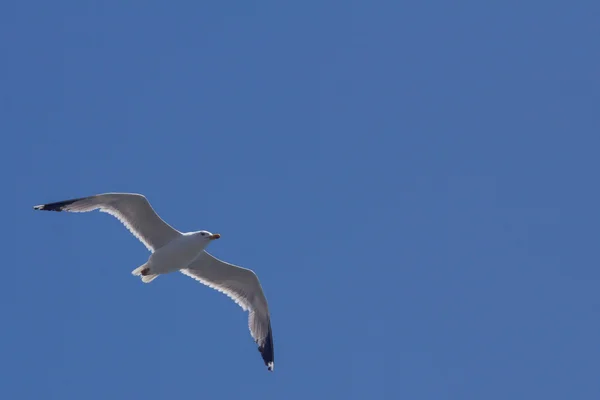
[(415, 184)]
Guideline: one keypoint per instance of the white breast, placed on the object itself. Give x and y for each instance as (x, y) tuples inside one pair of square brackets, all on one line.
[(179, 253)]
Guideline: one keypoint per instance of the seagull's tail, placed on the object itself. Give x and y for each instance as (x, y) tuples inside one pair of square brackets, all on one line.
[(146, 278)]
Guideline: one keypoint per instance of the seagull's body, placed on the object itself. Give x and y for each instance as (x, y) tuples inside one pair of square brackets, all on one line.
[(175, 255), (176, 251)]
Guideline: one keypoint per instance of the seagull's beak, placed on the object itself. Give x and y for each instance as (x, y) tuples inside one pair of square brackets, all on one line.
[(215, 236)]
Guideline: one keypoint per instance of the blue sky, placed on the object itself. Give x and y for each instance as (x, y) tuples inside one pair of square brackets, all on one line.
[(415, 184)]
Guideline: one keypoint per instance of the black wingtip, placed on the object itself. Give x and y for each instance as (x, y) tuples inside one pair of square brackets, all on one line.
[(58, 206), (266, 350)]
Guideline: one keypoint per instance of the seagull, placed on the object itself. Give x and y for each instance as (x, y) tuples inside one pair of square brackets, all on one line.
[(172, 250)]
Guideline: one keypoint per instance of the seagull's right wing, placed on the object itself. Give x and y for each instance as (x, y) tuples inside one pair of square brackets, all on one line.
[(243, 287), (133, 210)]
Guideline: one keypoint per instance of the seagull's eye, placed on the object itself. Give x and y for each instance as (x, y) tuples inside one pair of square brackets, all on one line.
[(202, 233)]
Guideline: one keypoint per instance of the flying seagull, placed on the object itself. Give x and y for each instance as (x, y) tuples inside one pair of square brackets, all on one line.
[(177, 251)]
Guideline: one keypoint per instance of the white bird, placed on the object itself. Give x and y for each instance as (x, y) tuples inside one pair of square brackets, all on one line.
[(176, 251)]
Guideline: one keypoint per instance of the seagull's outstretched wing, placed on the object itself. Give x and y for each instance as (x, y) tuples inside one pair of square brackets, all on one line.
[(241, 285), (133, 210)]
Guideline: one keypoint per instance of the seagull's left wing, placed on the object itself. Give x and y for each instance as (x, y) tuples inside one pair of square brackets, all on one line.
[(243, 287), (133, 210)]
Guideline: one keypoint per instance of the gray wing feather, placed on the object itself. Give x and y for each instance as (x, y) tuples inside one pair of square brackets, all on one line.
[(243, 287), (133, 210)]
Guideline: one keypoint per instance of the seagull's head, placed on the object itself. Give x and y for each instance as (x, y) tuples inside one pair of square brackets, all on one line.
[(208, 236)]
